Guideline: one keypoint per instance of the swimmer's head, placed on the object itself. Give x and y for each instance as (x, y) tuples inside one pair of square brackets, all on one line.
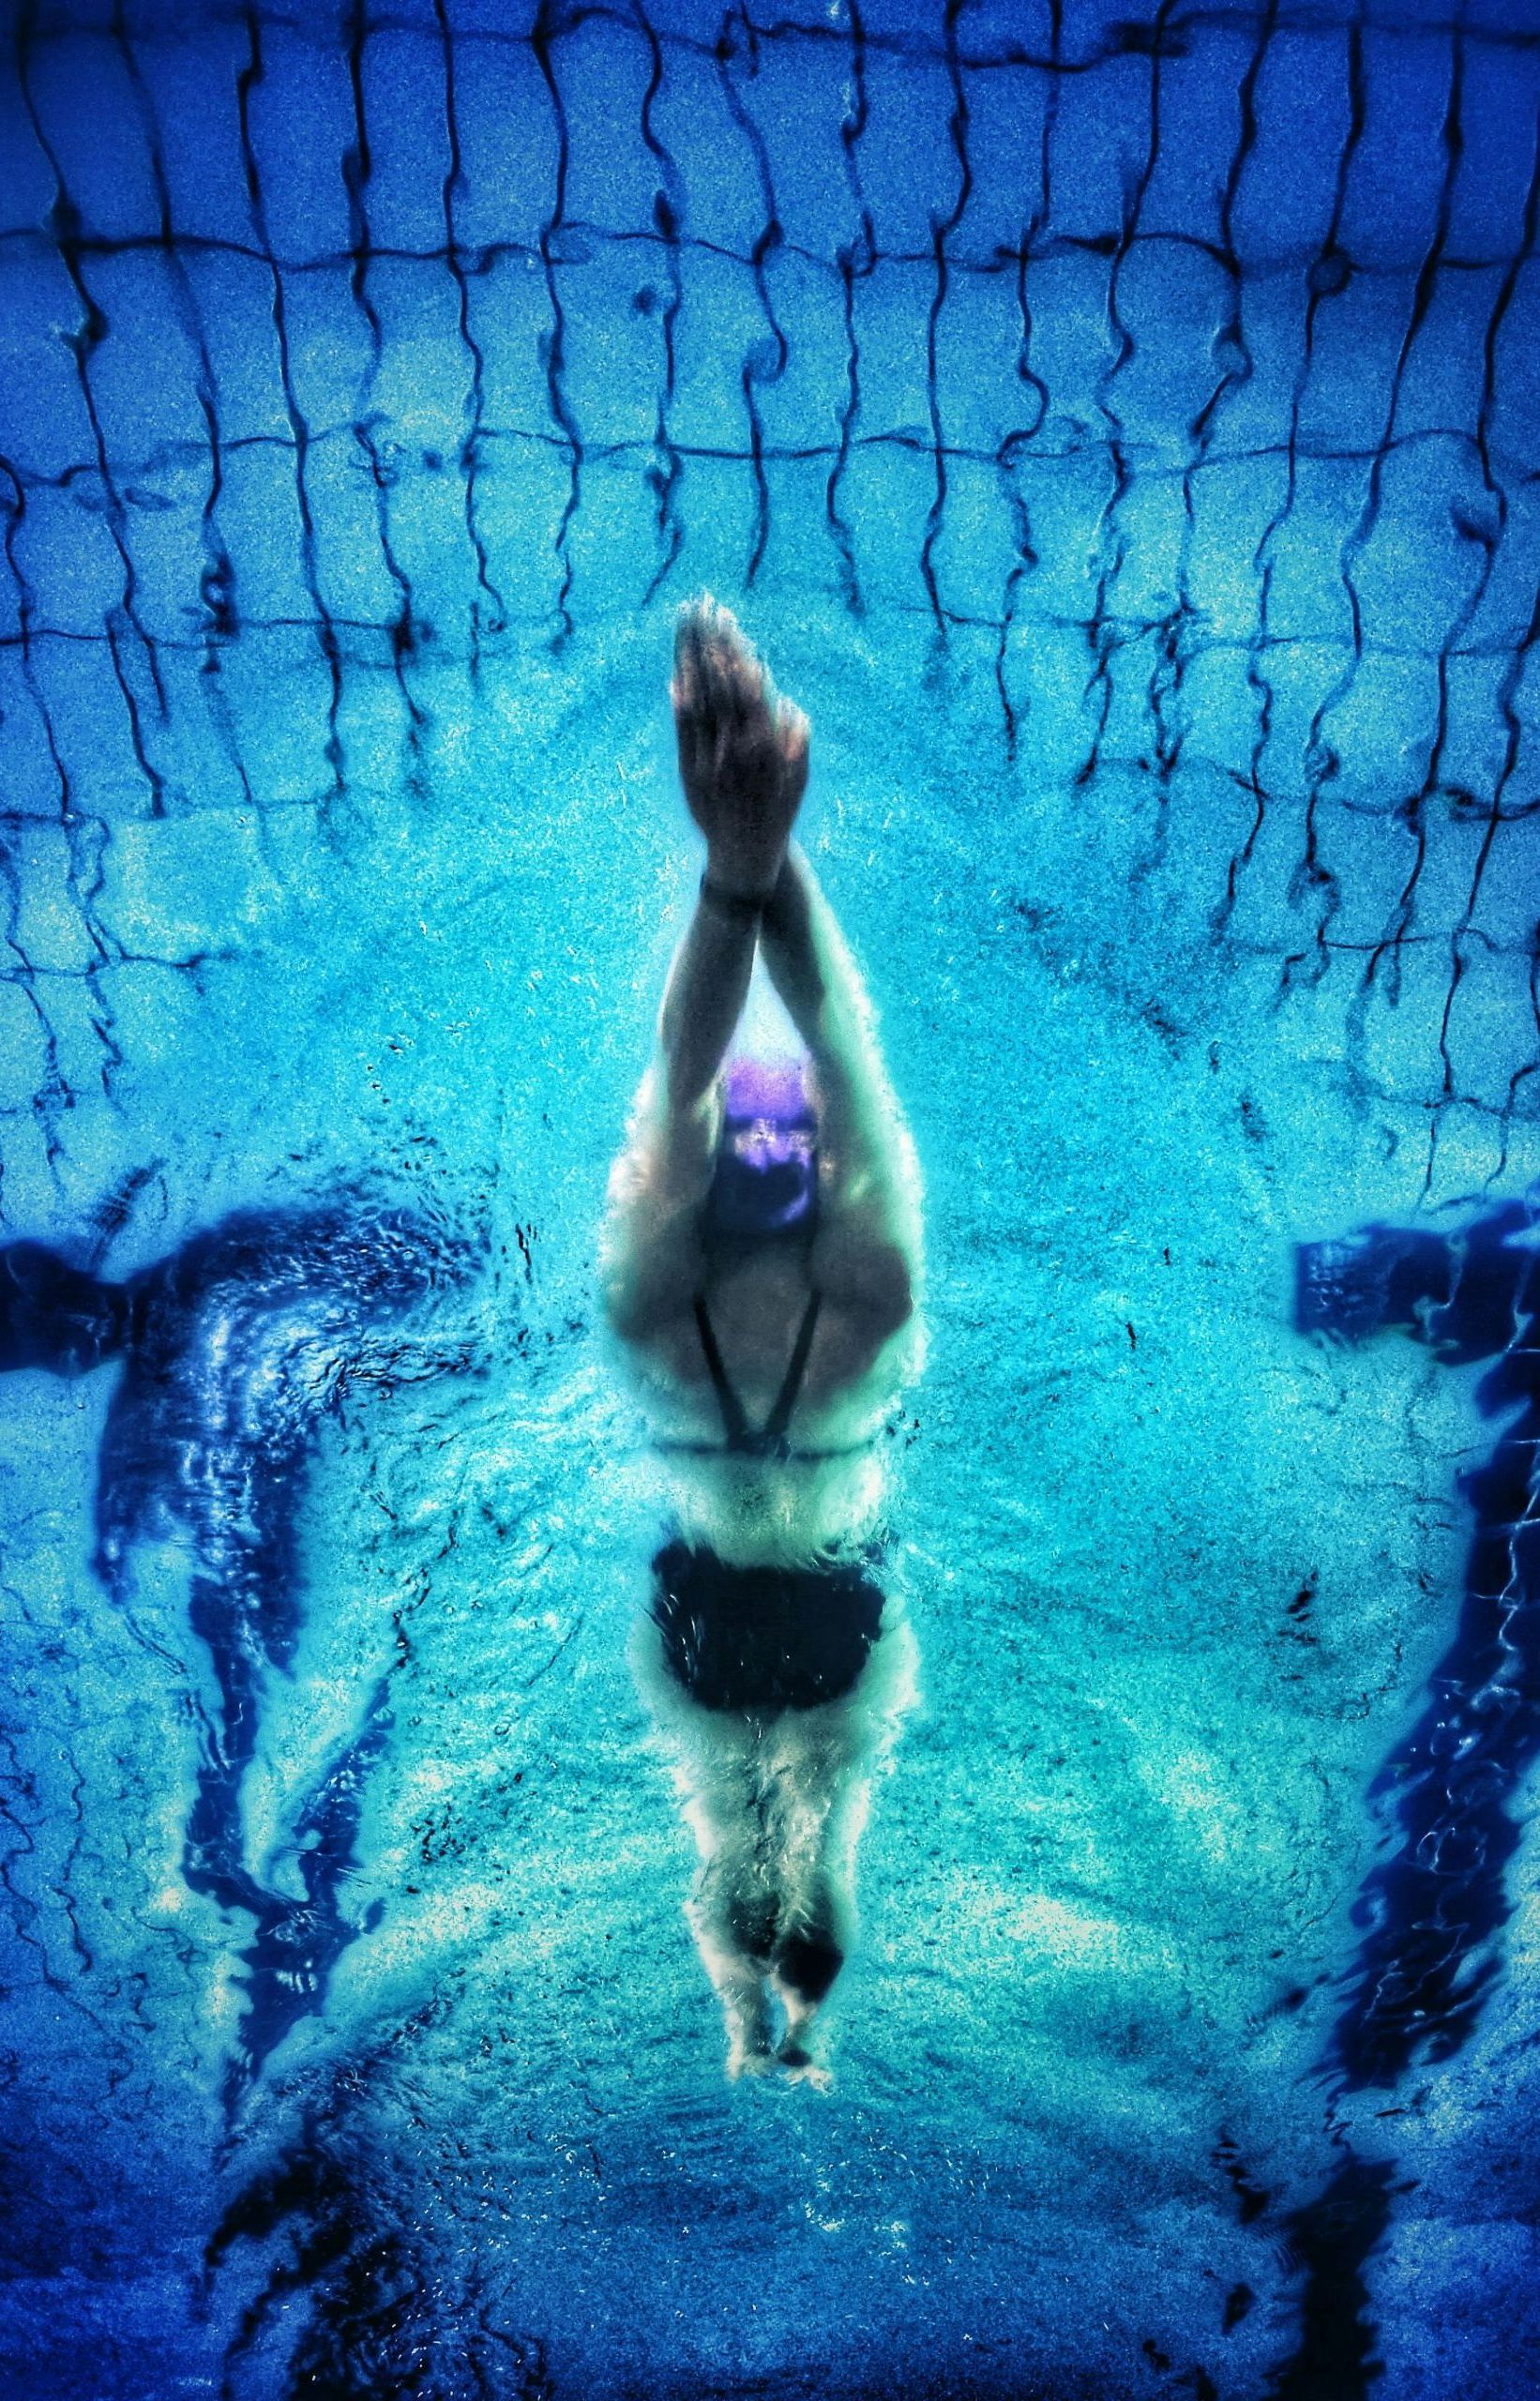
[(766, 1178)]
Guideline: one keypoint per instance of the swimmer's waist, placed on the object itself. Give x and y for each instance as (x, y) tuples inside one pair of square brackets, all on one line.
[(774, 1448)]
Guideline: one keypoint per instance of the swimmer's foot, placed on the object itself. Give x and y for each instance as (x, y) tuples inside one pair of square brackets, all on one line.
[(800, 2067), (749, 2058)]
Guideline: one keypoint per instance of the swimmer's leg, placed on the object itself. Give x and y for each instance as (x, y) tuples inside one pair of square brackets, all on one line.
[(733, 1908), (820, 1764), (737, 1973), (818, 1769), (730, 1907)]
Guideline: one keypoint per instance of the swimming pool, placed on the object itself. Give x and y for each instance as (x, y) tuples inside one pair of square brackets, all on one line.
[(1117, 426)]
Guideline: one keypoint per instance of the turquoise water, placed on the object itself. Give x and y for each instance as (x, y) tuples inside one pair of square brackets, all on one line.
[(1118, 432)]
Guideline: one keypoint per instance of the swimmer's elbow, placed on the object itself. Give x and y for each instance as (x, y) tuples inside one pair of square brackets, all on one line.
[(622, 1285), (619, 1313), (890, 1298), (644, 1291), (630, 1309), (873, 1277)]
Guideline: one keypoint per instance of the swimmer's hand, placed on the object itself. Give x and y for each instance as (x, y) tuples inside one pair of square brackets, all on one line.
[(743, 750)]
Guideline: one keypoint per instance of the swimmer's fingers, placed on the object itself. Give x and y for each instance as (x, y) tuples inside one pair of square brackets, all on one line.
[(685, 693), (743, 750), (724, 757), (693, 763), (695, 626), (695, 697), (716, 670), (734, 686), (689, 726), (733, 678), (693, 687), (737, 723), (794, 735)]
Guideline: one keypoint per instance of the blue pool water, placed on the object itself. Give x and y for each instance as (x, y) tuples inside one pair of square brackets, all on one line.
[(1117, 425)]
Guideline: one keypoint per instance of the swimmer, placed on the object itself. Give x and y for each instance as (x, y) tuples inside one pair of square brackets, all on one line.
[(761, 1267)]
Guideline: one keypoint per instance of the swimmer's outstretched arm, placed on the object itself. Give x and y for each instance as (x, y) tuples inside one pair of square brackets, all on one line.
[(743, 761), (870, 1238), (653, 1261)]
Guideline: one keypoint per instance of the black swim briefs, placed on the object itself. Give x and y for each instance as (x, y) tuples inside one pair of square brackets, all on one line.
[(764, 1638)]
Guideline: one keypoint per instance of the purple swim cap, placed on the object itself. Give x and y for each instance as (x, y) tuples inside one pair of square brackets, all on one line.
[(773, 1088), (765, 1182)]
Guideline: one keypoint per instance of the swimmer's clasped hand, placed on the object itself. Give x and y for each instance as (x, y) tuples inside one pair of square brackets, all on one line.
[(743, 754)]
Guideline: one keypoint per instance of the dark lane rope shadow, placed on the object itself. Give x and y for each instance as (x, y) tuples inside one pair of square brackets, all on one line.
[(1432, 1912), (234, 1349)]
